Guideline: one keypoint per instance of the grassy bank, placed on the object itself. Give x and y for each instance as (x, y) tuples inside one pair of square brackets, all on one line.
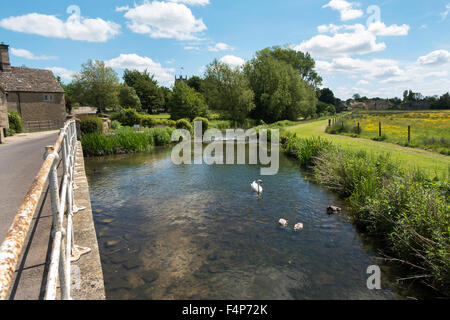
[(432, 163), (428, 129), (125, 140), (404, 209)]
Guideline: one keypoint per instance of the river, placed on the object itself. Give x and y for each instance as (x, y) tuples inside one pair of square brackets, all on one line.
[(170, 231)]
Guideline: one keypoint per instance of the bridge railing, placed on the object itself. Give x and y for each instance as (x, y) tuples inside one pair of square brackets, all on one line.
[(63, 251)]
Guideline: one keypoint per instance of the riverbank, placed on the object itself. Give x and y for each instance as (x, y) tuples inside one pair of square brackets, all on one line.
[(432, 163), (125, 140), (404, 209)]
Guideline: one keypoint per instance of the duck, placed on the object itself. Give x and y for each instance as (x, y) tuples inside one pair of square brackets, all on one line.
[(283, 222), (257, 187), (298, 227)]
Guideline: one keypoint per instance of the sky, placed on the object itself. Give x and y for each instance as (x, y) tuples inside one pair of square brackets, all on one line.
[(374, 48)]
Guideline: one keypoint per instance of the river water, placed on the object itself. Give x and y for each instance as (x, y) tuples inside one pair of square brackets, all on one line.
[(169, 231)]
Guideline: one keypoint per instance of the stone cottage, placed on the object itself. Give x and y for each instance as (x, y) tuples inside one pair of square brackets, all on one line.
[(34, 93), (3, 116)]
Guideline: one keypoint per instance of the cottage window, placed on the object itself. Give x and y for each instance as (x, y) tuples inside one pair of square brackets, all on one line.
[(48, 98)]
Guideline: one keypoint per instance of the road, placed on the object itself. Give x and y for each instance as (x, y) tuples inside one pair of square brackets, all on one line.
[(20, 160)]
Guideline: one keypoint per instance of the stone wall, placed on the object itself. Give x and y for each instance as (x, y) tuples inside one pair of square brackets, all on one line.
[(36, 113), (3, 111)]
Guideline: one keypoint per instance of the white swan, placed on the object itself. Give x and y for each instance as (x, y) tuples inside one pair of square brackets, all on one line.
[(257, 187)]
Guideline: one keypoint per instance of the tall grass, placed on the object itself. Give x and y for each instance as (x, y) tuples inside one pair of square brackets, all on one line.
[(125, 140), (406, 210)]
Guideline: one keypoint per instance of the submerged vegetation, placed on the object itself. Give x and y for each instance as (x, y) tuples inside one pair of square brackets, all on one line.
[(404, 209)]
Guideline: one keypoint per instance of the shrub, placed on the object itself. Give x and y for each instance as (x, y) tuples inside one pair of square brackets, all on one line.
[(127, 117), (91, 124), (148, 121), (184, 124), (306, 150), (205, 123), (115, 125), (161, 137), (10, 132), (125, 140), (15, 122)]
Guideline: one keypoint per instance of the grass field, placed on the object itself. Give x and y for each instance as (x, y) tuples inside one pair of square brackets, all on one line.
[(429, 129), (434, 164)]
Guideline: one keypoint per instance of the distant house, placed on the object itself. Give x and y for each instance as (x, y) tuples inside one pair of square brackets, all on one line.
[(34, 93)]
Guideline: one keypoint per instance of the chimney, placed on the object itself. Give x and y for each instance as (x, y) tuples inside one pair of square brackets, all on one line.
[(5, 65)]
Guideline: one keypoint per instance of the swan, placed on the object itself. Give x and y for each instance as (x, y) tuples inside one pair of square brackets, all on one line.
[(257, 187), (298, 227), (283, 223)]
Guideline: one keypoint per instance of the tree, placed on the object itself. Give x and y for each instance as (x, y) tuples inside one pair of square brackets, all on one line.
[(195, 83), (280, 93), (186, 103), (97, 85), (327, 96), (228, 90), (146, 87), (167, 93), (128, 98), (301, 62)]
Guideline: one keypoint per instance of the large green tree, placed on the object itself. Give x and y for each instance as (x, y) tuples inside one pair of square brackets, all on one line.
[(146, 87), (186, 103), (96, 85), (128, 97), (327, 96), (303, 63), (228, 90), (280, 92)]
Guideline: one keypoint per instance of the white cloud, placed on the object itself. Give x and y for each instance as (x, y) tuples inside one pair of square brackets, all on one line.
[(380, 29), (163, 20), (64, 73), (193, 2), (220, 47), (444, 14), (370, 69), (362, 83), (76, 27), (192, 48), (347, 10), (435, 58), (233, 61), (136, 62), (22, 53), (360, 41)]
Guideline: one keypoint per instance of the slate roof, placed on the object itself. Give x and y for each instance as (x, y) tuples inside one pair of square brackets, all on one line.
[(29, 80)]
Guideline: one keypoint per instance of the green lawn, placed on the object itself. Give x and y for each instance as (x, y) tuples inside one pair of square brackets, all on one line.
[(431, 162), (430, 129)]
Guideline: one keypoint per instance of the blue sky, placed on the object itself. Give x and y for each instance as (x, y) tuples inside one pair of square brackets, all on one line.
[(375, 48)]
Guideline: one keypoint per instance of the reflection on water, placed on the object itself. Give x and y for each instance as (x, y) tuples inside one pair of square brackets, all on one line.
[(198, 232)]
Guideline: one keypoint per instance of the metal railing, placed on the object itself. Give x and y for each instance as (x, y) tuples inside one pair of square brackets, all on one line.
[(63, 251)]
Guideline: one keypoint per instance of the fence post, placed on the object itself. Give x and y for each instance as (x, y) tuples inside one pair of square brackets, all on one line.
[(379, 129), (359, 129), (329, 122), (409, 134)]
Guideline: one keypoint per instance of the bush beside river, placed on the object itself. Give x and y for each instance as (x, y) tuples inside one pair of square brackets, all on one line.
[(408, 212), (125, 140)]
